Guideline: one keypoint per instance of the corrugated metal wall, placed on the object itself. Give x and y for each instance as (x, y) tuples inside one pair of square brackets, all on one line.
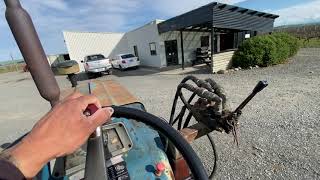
[(242, 21), (222, 61), (191, 18), (220, 16), (81, 44)]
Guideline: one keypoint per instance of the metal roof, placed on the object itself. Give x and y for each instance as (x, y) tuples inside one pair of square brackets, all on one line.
[(220, 16)]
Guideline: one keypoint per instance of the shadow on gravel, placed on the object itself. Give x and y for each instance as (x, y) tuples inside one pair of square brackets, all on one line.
[(23, 79), (134, 72), (84, 76)]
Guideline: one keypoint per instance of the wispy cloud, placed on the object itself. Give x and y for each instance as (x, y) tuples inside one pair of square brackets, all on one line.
[(54, 4), (303, 13), (51, 17)]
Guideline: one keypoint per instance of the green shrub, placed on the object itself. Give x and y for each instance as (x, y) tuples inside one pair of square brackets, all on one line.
[(291, 41), (265, 50), (310, 43)]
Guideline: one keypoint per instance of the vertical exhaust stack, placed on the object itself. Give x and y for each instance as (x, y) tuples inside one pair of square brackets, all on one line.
[(31, 49)]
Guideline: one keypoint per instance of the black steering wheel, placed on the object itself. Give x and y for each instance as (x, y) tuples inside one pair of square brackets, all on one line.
[(193, 161)]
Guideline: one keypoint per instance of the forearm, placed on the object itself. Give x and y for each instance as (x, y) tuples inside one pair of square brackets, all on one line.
[(27, 156), (60, 132)]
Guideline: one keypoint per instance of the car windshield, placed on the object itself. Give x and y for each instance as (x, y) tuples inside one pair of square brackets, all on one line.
[(95, 57), (126, 56)]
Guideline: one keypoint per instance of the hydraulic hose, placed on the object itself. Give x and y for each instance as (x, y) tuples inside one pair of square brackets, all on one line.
[(214, 169), (174, 136), (198, 82)]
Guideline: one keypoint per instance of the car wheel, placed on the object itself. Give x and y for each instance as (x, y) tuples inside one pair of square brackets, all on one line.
[(120, 67), (109, 71)]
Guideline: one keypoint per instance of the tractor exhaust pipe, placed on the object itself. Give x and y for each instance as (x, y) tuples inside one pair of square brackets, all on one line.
[(31, 49)]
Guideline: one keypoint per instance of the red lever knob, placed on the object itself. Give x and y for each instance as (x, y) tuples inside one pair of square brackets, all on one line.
[(91, 109), (160, 167)]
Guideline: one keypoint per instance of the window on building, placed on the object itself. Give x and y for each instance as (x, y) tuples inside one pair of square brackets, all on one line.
[(204, 41), (153, 49)]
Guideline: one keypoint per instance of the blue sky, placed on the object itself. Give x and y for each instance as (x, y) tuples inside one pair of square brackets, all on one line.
[(51, 17)]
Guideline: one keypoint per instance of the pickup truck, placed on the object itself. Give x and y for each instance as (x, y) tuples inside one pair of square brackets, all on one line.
[(97, 64), (124, 61)]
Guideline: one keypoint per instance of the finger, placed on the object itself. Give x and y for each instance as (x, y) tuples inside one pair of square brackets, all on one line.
[(89, 99), (99, 118)]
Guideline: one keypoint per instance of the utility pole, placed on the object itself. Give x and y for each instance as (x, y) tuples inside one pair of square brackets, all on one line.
[(15, 64)]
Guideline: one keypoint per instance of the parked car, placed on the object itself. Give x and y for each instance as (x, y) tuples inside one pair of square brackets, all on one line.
[(97, 64), (124, 61)]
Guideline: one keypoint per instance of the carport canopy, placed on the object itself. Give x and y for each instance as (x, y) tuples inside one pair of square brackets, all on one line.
[(218, 17), (221, 17)]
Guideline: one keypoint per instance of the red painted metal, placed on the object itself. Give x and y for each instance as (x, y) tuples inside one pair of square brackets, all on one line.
[(180, 169), (160, 167)]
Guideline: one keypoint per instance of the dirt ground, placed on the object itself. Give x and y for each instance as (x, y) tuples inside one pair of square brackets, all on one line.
[(279, 130)]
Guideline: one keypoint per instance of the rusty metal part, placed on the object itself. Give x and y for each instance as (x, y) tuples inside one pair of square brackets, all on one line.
[(220, 92), (202, 92), (31, 49), (195, 131), (190, 134), (108, 92), (211, 111), (180, 169)]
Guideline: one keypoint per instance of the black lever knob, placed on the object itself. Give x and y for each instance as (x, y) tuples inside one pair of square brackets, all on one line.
[(260, 86)]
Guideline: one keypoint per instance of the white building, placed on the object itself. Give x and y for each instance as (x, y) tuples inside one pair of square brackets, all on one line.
[(175, 41)]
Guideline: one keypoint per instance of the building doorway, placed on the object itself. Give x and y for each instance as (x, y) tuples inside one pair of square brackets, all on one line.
[(226, 41), (171, 52), (135, 49)]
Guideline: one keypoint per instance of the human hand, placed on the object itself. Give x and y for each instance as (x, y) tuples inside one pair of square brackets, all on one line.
[(60, 132)]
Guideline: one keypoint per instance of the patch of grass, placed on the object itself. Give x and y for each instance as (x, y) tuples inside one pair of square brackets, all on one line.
[(11, 68), (311, 43)]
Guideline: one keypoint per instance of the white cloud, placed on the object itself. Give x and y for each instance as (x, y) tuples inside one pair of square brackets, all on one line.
[(54, 4), (303, 13), (51, 17)]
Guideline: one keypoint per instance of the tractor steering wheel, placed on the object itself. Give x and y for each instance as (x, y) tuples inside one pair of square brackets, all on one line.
[(173, 135)]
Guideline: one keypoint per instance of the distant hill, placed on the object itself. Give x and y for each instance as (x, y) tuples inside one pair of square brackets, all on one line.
[(296, 25), (302, 31)]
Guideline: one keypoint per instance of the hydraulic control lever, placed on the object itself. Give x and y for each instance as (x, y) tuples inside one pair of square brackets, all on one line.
[(259, 87)]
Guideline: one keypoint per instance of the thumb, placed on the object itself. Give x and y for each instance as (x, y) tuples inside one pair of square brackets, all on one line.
[(100, 117)]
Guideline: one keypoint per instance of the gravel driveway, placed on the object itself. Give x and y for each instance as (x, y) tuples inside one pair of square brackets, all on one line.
[(280, 128), (279, 132)]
